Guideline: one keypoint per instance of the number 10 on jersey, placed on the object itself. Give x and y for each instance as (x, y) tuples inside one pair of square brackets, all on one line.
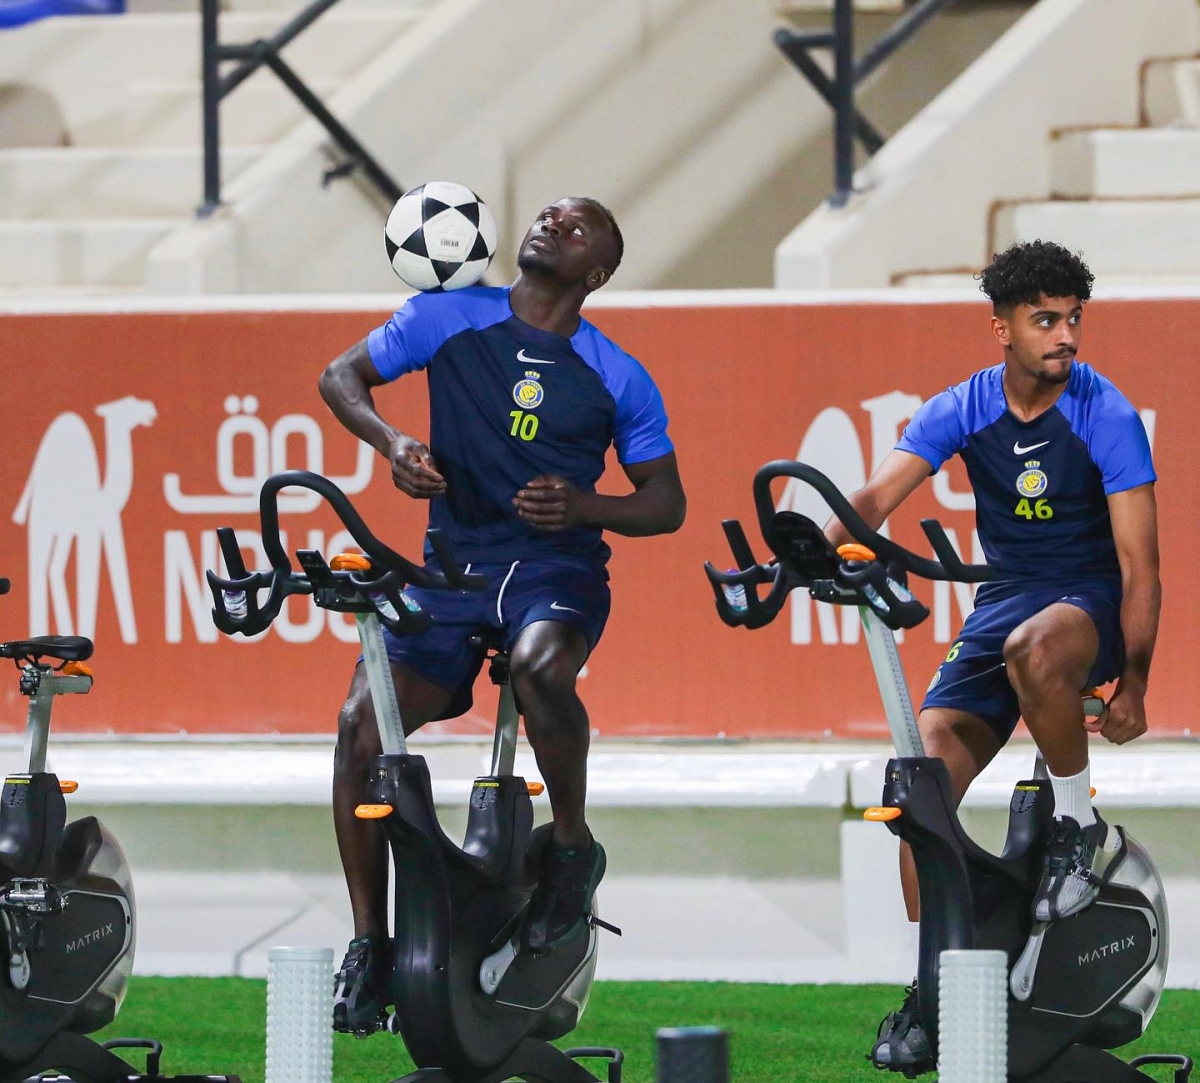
[(524, 425)]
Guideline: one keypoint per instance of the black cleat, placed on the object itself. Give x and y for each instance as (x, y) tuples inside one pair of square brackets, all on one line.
[(1078, 863), (902, 1044), (561, 908), (360, 996)]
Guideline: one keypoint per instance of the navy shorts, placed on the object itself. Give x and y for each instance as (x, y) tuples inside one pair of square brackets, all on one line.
[(973, 678), (518, 593)]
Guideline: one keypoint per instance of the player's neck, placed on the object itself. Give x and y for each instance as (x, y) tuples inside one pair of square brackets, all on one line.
[(546, 305), (1029, 397)]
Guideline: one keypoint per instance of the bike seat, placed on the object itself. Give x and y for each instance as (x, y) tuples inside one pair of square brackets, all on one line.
[(65, 648), (490, 639)]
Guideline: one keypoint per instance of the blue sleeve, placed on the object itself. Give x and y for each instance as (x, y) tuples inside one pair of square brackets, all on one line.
[(641, 429), (640, 426), (1118, 444), (935, 432), (408, 341)]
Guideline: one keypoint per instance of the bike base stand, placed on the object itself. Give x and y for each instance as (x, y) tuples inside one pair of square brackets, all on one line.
[(534, 1061), (1086, 1064), (78, 1059)]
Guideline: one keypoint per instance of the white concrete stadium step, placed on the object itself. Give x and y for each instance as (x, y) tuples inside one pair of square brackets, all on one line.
[(86, 65), (1115, 163), (1117, 237), (78, 253), (287, 7), (106, 182), (168, 113), (1171, 91)]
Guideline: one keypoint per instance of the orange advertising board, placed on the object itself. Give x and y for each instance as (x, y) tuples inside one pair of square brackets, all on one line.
[(130, 437)]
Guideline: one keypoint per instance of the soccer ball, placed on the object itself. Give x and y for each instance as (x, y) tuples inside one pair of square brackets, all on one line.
[(440, 236)]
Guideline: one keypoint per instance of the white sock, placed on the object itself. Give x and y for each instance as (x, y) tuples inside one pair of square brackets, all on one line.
[(1073, 797)]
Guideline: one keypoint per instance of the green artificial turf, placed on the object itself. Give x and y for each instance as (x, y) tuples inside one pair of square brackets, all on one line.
[(802, 1033)]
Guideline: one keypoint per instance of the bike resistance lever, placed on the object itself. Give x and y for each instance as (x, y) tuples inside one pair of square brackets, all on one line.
[(349, 588), (873, 572)]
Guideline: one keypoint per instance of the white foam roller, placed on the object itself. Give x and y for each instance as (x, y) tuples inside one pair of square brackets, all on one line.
[(299, 1015), (973, 1017)]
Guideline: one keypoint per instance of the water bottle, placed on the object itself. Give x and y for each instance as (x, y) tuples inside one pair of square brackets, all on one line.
[(875, 599), (735, 595), (236, 604), (383, 605)]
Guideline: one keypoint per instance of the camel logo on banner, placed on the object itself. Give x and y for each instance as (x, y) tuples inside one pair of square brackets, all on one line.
[(832, 445), (66, 506), (71, 509)]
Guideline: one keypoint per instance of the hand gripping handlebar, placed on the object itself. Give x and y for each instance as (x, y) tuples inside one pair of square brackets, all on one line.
[(873, 573), (345, 590)]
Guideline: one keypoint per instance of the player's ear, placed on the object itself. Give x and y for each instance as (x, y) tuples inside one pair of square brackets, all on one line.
[(1001, 331), (597, 278)]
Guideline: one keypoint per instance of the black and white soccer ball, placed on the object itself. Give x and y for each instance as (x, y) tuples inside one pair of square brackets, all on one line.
[(440, 236)]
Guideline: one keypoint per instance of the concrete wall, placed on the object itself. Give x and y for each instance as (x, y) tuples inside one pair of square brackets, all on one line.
[(680, 114), (925, 198)]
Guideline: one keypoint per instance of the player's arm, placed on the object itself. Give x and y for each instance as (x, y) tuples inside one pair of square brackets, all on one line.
[(887, 488), (345, 386), (1135, 530), (657, 504)]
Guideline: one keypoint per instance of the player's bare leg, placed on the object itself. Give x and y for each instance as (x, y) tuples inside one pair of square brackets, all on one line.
[(1049, 658), (546, 660)]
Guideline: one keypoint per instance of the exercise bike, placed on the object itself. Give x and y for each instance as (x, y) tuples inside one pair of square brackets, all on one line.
[(471, 1006), (67, 926), (1077, 987)]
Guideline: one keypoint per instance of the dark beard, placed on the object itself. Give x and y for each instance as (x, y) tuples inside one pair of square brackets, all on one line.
[(534, 262)]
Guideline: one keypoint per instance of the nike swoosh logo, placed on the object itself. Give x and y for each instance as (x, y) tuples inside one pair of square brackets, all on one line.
[(525, 359), (1018, 450), (564, 608)]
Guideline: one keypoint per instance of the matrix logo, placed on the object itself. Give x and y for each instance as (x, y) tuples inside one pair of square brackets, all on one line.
[(90, 938), (1105, 950)]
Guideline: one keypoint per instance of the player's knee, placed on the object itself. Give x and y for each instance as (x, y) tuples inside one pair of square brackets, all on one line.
[(1030, 657), (541, 674)]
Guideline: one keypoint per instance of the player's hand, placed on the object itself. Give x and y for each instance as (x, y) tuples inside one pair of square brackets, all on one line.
[(549, 503), (413, 468), (1123, 717)]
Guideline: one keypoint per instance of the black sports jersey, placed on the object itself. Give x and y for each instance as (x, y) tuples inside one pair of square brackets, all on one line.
[(508, 403), (1040, 486)]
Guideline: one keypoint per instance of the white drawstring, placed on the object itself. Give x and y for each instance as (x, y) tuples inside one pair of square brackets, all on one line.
[(500, 596)]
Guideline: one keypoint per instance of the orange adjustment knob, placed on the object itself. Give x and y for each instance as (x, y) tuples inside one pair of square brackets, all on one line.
[(854, 551), (75, 669), (881, 815), (1092, 791), (350, 562), (373, 812), (535, 788), (67, 787)]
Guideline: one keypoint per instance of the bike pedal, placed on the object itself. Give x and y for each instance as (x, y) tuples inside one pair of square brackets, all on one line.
[(363, 1030), (374, 1027)]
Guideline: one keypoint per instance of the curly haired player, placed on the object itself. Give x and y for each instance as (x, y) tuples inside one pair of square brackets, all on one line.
[(1060, 466)]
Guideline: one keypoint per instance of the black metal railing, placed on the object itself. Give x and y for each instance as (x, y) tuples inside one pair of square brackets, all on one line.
[(848, 123), (250, 57)]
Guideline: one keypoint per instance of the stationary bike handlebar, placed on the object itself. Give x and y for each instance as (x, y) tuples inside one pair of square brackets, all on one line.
[(875, 575), (348, 590)]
